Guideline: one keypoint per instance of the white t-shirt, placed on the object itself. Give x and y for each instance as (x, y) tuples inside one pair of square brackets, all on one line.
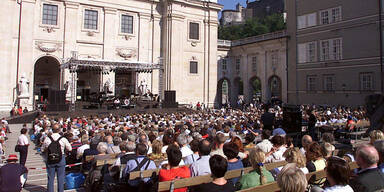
[(339, 188), (23, 140)]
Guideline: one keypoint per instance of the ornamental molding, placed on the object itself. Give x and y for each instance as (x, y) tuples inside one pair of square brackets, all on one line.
[(126, 53), (48, 47)]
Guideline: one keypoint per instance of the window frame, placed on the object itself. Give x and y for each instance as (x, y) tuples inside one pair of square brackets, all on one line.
[(323, 18), (122, 15), (275, 58), (330, 15), (190, 67), (224, 64), (325, 83), (254, 62), (362, 83), (98, 19), (311, 86), (198, 31), (237, 64), (58, 14), (311, 57)]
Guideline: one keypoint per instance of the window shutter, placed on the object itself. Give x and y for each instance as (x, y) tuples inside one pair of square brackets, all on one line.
[(301, 22), (302, 52), (312, 18)]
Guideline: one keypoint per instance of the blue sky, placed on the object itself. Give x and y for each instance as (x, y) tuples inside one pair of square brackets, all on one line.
[(231, 4)]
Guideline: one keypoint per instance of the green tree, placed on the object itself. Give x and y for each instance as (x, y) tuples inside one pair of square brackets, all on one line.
[(253, 27)]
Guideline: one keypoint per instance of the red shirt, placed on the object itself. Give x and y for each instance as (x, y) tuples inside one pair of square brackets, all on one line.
[(177, 173)]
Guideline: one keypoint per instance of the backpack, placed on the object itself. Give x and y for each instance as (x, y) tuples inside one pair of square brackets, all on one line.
[(54, 151)]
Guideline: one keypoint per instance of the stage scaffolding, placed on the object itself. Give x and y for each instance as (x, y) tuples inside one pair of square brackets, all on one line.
[(73, 64)]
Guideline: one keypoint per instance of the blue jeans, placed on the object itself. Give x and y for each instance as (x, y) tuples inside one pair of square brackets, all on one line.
[(51, 171)]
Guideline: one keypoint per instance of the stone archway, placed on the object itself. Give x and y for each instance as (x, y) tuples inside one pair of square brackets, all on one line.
[(255, 89), (274, 85), (238, 87), (223, 92), (46, 77)]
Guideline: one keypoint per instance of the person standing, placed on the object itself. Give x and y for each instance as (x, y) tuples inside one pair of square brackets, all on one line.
[(23, 144), (10, 175), (312, 124), (57, 165)]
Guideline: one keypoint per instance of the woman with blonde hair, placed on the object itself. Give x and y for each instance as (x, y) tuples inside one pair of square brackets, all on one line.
[(376, 135), (156, 151), (292, 179), (292, 155), (259, 175)]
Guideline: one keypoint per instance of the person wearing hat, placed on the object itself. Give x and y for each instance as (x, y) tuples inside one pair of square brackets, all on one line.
[(10, 175)]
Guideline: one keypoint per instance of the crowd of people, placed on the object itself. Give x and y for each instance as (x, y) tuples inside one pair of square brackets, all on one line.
[(211, 142)]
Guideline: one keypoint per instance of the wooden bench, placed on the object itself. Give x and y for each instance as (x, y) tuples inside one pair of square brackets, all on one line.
[(193, 181), (89, 158), (274, 187)]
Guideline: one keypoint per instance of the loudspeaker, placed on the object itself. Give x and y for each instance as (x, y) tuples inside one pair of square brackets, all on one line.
[(292, 118), (170, 96), (52, 97), (56, 97)]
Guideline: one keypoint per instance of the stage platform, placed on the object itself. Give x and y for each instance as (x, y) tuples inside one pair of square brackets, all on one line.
[(119, 112)]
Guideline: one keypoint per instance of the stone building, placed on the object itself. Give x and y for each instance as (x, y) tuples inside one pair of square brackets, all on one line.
[(252, 68), (39, 36), (335, 51)]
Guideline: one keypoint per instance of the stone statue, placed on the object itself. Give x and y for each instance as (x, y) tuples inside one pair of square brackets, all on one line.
[(23, 86), (143, 87), (108, 86)]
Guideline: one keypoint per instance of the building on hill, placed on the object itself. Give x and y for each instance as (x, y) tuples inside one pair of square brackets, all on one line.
[(262, 8), (253, 68), (254, 9), (335, 51), (42, 35)]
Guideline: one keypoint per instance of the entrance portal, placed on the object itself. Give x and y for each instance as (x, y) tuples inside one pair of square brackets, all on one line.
[(46, 77)]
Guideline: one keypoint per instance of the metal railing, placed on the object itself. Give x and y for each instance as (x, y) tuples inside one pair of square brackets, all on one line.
[(224, 43), (264, 37)]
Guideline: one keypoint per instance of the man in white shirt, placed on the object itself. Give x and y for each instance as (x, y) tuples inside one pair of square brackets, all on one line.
[(23, 144), (185, 150), (81, 149), (265, 145), (56, 167), (201, 166)]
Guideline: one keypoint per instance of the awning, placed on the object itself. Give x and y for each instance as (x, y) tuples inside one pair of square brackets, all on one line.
[(135, 65)]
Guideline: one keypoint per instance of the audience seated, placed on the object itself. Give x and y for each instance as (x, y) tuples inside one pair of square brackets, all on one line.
[(369, 177), (218, 166), (141, 162), (115, 147), (219, 143), (327, 149), (338, 173), (276, 153), (315, 161), (156, 154), (375, 135), (379, 145), (305, 141), (259, 175), (231, 151), (195, 149), (265, 145), (201, 165), (292, 179), (129, 148), (172, 170)]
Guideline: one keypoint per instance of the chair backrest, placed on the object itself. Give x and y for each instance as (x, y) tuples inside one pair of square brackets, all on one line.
[(274, 187), (192, 181)]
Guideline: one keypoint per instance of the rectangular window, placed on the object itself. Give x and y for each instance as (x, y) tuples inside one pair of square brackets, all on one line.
[(275, 59), (308, 20), (311, 52), (336, 16), (127, 24), (366, 81), (324, 17), (194, 31), (336, 49), (324, 50), (329, 82), (237, 64), (311, 82), (224, 64), (193, 67), (254, 63), (50, 14), (90, 19)]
